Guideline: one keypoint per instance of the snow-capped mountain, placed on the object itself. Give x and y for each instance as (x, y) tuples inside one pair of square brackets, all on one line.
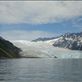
[(69, 40), (52, 48)]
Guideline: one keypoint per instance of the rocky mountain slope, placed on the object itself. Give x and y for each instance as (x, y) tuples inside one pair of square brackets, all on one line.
[(71, 41), (8, 50)]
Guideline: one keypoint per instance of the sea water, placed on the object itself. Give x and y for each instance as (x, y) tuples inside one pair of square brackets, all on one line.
[(40, 70)]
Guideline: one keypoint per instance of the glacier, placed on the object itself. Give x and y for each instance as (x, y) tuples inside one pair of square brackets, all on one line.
[(45, 49)]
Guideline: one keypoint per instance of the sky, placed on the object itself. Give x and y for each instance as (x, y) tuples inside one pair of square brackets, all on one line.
[(28, 20)]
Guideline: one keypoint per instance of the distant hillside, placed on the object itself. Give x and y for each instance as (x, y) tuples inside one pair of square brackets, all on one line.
[(43, 39), (8, 50), (71, 41)]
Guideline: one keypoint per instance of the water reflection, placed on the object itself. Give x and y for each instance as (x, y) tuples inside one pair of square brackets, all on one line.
[(41, 70)]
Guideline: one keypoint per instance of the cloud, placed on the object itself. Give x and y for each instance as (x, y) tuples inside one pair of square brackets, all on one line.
[(25, 35), (38, 12)]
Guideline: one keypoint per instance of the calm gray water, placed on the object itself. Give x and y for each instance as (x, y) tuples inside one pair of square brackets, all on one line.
[(40, 70)]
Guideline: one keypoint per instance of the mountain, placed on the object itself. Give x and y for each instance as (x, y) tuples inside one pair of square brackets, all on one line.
[(8, 50), (71, 41), (43, 39)]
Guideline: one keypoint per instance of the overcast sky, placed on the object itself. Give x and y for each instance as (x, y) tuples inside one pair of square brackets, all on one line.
[(32, 19)]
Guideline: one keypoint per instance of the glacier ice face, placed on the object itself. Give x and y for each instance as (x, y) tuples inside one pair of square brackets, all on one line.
[(45, 49)]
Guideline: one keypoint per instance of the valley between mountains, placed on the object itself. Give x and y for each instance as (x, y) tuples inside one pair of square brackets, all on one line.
[(68, 45)]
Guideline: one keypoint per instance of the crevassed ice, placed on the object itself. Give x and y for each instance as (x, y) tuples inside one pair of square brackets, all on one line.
[(45, 49)]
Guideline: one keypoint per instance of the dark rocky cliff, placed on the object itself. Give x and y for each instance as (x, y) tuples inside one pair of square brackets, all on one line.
[(8, 50)]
